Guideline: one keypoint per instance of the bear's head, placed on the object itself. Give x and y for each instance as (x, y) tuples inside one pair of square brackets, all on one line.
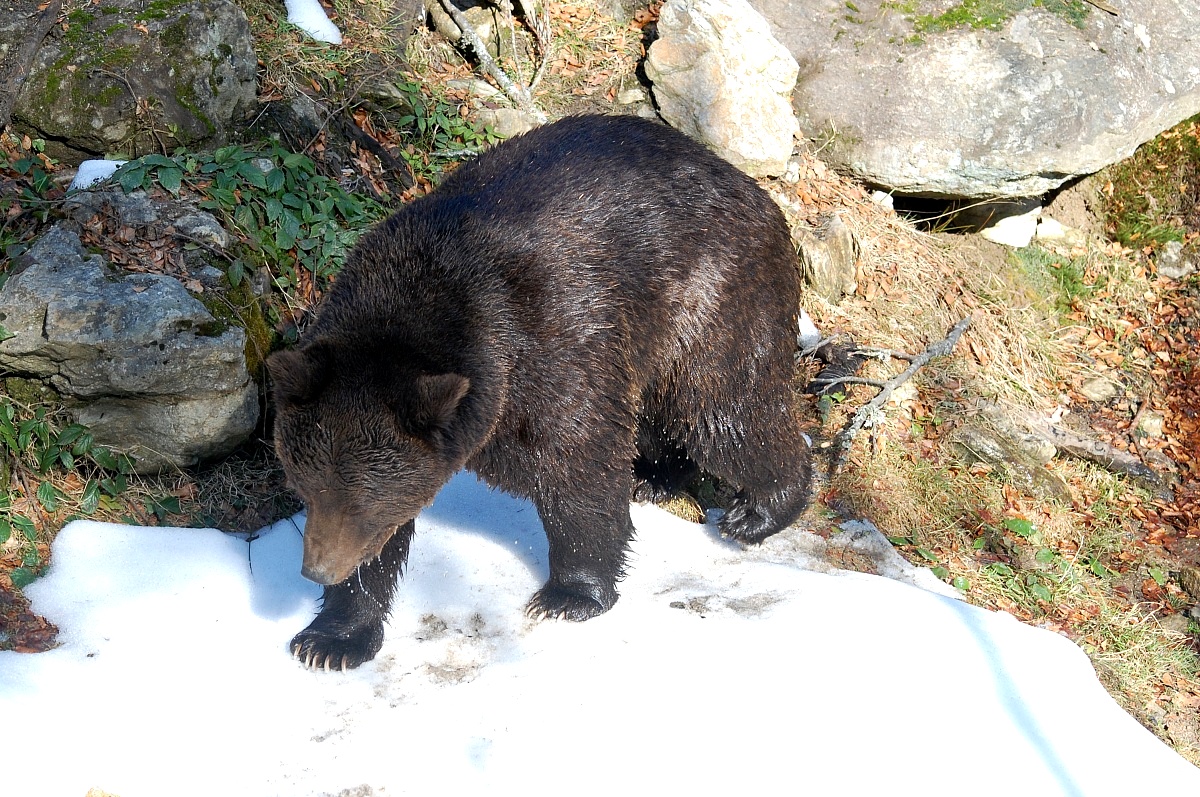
[(367, 445)]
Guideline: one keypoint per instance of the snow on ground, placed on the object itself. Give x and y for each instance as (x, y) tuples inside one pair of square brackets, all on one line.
[(93, 171), (719, 671), (310, 17)]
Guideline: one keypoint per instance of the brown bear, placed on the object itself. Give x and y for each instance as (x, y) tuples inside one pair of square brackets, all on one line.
[(585, 313)]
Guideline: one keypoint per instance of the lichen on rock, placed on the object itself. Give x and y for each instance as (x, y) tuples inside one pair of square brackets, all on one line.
[(128, 77)]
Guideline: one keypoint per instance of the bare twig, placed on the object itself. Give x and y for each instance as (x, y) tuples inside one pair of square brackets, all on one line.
[(518, 94), (537, 17), (848, 380), (1103, 6), (1104, 455), (205, 244), (19, 471), (454, 154), (510, 22), (872, 408), (811, 350), (885, 354), (539, 23)]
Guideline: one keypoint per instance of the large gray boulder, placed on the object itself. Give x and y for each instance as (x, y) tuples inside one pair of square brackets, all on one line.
[(721, 77), (129, 76), (977, 112), (142, 361)]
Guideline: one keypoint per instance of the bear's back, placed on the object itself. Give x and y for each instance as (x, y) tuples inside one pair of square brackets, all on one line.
[(595, 245)]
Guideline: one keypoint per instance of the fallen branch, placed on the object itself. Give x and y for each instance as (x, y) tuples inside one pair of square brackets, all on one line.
[(518, 94), (874, 407), (1030, 426), (539, 23), (1103, 6), (847, 380), (1104, 455)]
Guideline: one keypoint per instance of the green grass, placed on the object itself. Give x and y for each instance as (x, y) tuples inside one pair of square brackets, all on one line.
[(1062, 279), (1154, 195)]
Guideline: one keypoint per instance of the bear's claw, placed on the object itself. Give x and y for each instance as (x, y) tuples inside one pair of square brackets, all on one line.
[(563, 603), (321, 650), (747, 523)]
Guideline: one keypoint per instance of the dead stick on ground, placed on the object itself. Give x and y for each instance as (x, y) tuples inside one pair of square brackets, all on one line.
[(1133, 426), (517, 94), (871, 408)]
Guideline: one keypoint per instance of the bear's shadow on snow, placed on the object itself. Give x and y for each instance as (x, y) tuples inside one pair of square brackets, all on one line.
[(277, 589), (465, 504)]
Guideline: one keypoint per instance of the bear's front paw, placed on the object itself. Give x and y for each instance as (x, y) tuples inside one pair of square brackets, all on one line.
[(573, 602), (747, 523), (320, 649)]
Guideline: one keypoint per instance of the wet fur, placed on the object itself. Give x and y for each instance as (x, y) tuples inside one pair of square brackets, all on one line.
[(597, 300)]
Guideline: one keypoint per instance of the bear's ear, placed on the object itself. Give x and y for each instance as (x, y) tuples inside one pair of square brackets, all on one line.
[(437, 398), (299, 375)]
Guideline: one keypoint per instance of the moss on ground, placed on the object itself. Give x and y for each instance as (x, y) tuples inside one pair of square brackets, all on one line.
[(992, 14), (1154, 196)]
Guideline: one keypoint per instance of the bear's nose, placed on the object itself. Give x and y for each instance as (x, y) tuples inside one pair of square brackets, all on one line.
[(318, 574)]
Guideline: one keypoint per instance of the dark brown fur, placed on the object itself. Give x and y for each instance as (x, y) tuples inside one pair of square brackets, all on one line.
[(599, 296)]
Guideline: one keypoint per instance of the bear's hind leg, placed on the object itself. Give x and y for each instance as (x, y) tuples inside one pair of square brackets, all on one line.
[(589, 532), (349, 628), (765, 456)]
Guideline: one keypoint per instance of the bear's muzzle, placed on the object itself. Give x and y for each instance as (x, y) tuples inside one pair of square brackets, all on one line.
[(334, 547)]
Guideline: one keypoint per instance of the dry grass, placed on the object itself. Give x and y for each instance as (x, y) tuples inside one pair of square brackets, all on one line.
[(1043, 322), (291, 63)]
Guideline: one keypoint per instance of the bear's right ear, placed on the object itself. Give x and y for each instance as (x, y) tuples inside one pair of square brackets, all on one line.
[(299, 375)]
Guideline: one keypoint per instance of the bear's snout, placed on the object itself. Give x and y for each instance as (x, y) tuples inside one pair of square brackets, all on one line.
[(320, 574), (335, 545)]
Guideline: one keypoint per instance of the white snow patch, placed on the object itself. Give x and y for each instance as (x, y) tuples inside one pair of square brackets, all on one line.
[(1016, 230), (91, 172), (719, 671), (310, 17), (809, 335)]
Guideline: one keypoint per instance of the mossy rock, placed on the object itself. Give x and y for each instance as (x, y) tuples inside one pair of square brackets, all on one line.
[(240, 307), (129, 78)]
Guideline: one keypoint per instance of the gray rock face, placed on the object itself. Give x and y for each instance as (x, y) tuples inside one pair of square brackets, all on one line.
[(720, 77), (154, 373), (23, 25), (987, 113), (127, 76)]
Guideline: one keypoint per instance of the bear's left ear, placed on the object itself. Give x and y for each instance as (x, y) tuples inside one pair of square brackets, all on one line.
[(437, 398), (299, 375)]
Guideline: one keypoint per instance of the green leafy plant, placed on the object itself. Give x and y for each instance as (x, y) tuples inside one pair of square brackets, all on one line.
[(439, 132), (1019, 526), (291, 219), (1025, 587), (25, 203), (37, 452)]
